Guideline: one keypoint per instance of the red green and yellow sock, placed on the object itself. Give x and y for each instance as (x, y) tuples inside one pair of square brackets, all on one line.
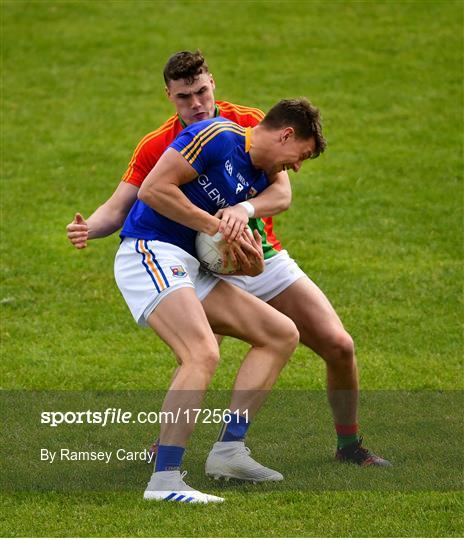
[(346, 434)]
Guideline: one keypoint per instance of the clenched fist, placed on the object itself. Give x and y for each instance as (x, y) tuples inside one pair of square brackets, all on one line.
[(78, 232)]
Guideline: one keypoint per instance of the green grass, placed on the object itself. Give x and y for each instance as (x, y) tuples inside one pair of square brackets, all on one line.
[(300, 513), (376, 222)]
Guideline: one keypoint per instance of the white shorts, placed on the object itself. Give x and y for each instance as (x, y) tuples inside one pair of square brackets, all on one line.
[(146, 271), (279, 273)]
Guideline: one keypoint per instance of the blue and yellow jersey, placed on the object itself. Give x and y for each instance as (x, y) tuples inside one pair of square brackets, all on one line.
[(218, 150)]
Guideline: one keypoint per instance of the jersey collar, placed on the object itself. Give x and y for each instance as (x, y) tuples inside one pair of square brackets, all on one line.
[(184, 125), (247, 139)]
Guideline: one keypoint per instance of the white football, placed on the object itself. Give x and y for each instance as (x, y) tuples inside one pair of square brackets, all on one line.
[(210, 253)]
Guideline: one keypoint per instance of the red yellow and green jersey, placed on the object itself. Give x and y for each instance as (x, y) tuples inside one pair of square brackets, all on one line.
[(153, 145)]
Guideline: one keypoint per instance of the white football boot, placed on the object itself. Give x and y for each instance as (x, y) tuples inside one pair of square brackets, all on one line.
[(232, 460), (170, 486)]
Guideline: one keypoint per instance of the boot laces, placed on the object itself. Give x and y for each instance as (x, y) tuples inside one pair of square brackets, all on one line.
[(183, 474), (244, 450), (361, 449)]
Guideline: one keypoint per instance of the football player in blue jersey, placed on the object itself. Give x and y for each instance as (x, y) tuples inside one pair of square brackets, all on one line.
[(190, 87), (160, 279)]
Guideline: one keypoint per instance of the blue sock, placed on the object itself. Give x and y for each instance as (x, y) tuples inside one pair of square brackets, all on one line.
[(235, 430), (169, 458)]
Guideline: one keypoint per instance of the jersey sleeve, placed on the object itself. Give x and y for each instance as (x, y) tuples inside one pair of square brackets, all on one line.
[(206, 147), (244, 116), (143, 160), (149, 150), (252, 120)]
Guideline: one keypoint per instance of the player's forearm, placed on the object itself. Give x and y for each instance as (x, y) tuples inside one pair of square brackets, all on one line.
[(105, 221), (110, 216), (274, 199), (270, 204), (169, 201)]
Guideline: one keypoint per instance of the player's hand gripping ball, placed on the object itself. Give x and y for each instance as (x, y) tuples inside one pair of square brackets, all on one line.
[(212, 254)]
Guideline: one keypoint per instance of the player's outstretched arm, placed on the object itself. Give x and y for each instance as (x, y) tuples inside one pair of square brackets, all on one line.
[(161, 191), (273, 200), (106, 219)]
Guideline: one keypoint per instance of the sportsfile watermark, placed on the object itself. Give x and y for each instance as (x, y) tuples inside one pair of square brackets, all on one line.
[(103, 441), (103, 456), (113, 415)]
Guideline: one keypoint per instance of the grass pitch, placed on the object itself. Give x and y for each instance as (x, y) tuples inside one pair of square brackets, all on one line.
[(376, 222)]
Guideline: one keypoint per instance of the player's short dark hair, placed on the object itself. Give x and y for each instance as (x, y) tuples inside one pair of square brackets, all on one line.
[(302, 116), (184, 65)]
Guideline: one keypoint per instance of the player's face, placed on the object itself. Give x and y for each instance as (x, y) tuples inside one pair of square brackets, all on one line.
[(193, 102), (290, 152)]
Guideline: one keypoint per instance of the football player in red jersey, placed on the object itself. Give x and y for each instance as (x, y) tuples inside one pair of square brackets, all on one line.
[(190, 87)]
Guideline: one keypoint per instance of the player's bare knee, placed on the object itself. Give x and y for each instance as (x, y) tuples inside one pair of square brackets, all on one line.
[(207, 358), (285, 336), (202, 355), (342, 350), (293, 335)]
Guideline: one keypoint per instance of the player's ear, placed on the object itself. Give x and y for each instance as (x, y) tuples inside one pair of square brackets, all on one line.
[(213, 84), (286, 134)]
